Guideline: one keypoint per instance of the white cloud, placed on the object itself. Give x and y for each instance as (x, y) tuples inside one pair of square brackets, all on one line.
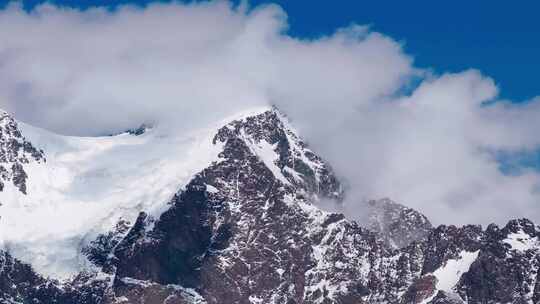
[(95, 71), (435, 151)]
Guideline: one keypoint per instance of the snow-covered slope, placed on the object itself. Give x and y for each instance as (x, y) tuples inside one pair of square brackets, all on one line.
[(87, 184)]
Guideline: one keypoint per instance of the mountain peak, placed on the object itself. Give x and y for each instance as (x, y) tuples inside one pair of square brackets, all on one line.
[(229, 215), (269, 136), (398, 225)]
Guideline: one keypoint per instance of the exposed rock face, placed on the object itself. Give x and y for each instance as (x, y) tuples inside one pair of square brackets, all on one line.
[(17, 281), (247, 230), (20, 284), (100, 250), (15, 153), (422, 289), (506, 270)]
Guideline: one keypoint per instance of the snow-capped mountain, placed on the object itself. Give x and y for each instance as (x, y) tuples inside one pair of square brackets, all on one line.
[(229, 214), (78, 188)]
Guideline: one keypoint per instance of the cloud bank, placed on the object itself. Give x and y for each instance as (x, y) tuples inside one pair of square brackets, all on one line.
[(435, 149)]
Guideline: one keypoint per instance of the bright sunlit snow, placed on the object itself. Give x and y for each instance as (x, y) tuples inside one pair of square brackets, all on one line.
[(88, 184), (449, 274)]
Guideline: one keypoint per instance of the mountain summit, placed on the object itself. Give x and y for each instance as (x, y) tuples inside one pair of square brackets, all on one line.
[(229, 214)]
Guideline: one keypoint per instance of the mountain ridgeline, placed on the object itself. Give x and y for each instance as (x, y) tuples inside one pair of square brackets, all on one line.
[(247, 229)]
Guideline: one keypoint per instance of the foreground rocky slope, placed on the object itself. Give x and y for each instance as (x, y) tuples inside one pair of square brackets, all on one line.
[(247, 230)]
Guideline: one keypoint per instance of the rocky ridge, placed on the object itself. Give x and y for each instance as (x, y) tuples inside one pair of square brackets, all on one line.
[(396, 224), (247, 230)]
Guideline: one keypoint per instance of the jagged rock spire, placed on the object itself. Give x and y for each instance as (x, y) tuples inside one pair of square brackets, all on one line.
[(15, 153)]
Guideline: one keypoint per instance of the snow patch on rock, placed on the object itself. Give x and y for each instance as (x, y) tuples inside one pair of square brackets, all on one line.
[(449, 274), (521, 241)]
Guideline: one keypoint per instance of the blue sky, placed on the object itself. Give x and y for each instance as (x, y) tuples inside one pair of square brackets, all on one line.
[(499, 38)]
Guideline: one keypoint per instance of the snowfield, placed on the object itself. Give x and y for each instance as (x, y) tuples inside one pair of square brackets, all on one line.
[(449, 274), (88, 183)]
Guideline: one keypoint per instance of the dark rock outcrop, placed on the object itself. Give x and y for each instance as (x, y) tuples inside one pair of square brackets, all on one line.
[(15, 153)]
